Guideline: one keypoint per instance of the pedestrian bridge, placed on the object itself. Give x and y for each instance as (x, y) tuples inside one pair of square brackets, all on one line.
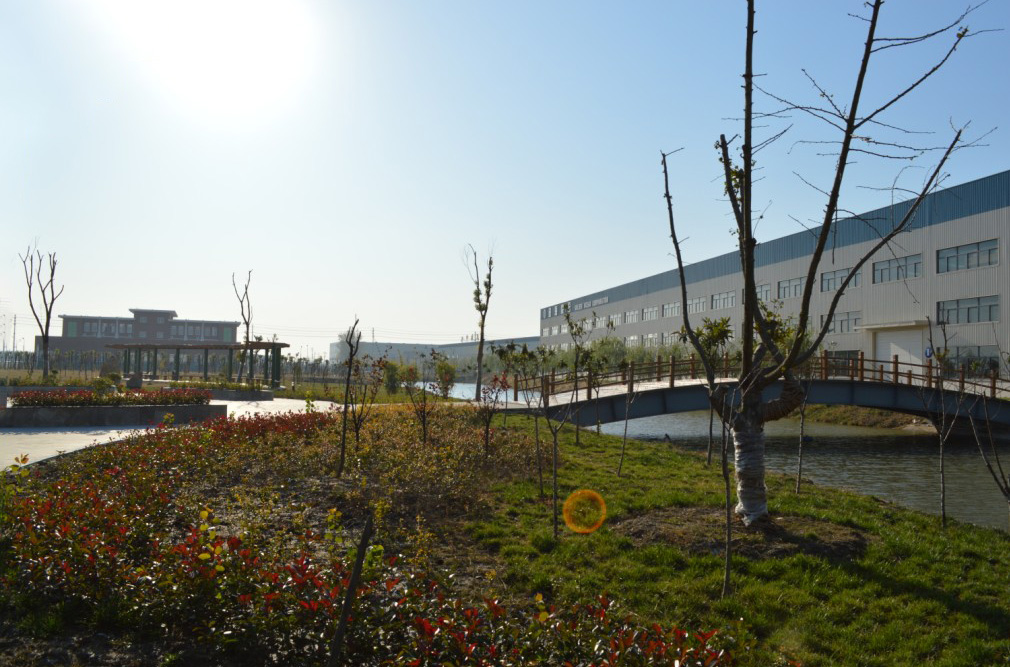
[(671, 386)]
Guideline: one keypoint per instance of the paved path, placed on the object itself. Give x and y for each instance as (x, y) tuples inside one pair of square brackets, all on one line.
[(41, 443)]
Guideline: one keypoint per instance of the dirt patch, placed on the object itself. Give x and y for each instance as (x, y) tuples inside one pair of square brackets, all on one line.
[(702, 530)]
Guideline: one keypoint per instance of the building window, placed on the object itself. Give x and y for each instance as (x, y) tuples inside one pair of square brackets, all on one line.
[(977, 359), (764, 292), (723, 300), (142, 319), (844, 322), (968, 256), (966, 311), (555, 330), (791, 288), (651, 340), (143, 334), (161, 334), (671, 309), (631, 317), (545, 332), (832, 280), (670, 338), (898, 268), (615, 320), (564, 327), (631, 341), (650, 313), (696, 305)]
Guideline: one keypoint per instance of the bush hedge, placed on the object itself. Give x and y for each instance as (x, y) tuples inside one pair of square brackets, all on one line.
[(88, 397)]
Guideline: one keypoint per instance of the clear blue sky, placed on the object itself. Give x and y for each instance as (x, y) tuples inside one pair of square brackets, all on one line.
[(346, 152)]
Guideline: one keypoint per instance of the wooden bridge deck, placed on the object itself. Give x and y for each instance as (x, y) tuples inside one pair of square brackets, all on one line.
[(669, 386)]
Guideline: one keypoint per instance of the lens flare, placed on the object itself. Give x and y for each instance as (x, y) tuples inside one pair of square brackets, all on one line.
[(584, 511)]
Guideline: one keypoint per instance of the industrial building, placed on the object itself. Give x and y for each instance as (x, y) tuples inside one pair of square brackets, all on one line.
[(944, 276)]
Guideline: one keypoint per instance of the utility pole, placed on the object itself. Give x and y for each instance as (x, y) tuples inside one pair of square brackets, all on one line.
[(14, 338)]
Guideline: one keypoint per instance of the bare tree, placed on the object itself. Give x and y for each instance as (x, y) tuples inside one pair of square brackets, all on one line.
[(367, 378), (481, 298), (859, 133), (532, 366), (943, 405), (34, 265), (629, 397), (245, 307), (353, 341)]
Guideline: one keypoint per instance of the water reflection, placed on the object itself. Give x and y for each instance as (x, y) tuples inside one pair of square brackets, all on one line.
[(888, 464)]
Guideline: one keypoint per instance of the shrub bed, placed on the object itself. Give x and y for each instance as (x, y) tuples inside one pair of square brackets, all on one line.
[(232, 543), (87, 397)]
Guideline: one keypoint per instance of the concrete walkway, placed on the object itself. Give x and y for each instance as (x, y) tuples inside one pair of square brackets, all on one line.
[(42, 443)]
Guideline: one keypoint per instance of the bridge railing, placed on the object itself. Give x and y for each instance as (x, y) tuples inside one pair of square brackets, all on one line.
[(673, 370)]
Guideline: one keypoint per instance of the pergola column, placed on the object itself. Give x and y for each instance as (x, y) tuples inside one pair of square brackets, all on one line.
[(175, 375), (206, 358), (231, 354), (154, 363), (266, 365), (276, 379)]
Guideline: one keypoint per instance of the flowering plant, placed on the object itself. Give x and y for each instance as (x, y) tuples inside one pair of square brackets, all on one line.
[(88, 397)]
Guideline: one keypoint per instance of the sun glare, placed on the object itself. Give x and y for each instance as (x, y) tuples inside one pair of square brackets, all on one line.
[(219, 61)]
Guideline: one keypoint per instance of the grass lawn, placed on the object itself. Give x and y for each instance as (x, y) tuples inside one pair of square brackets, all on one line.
[(835, 578)]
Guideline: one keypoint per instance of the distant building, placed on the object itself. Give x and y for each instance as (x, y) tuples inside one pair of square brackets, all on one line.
[(91, 333)]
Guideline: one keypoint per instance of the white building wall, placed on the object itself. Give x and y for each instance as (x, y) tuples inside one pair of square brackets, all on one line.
[(893, 315)]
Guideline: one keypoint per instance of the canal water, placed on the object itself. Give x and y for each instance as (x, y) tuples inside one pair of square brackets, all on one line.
[(893, 465)]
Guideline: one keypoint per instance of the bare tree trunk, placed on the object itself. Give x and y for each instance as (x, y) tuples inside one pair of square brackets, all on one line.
[(943, 484), (711, 421), (624, 444), (749, 461), (729, 512), (629, 398), (352, 348), (540, 464), (799, 457), (554, 466), (337, 643)]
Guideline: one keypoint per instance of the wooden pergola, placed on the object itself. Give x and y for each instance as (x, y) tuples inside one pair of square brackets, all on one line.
[(133, 352)]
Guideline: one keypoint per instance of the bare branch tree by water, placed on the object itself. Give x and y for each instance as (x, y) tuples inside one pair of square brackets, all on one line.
[(852, 130)]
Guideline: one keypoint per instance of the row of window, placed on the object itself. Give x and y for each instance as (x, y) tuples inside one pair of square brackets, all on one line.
[(954, 311), (843, 322), (968, 256), (194, 330), (97, 328), (956, 258), (966, 311)]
